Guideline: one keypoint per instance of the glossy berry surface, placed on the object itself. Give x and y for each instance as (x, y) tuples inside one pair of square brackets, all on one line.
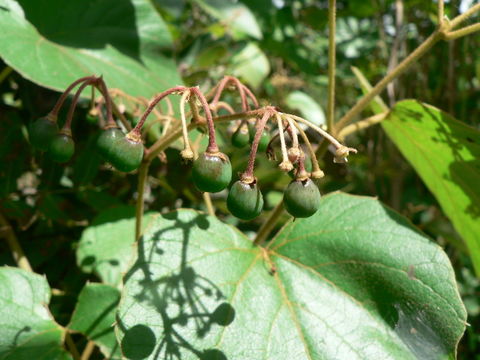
[(61, 148), (302, 198), (240, 137), (106, 142), (245, 201), (41, 132), (126, 155), (212, 172)]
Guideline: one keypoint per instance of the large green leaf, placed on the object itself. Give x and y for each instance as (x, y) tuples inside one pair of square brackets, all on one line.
[(94, 317), (54, 42), (446, 155), (354, 281), (105, 247), (27, 329)]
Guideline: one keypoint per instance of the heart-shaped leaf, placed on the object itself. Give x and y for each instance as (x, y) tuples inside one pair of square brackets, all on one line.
[(27, 329), (94, 317), (55, 42), (354, 281)]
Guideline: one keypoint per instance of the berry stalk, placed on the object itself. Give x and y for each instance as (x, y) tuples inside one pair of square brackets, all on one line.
[(68, 123), (212, 144), (61, 99), (247, 176), (137, 129)]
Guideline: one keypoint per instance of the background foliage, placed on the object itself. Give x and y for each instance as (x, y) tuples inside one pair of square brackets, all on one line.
[(279, 48)]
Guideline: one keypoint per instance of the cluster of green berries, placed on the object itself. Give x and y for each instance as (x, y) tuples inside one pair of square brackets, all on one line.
[(212, 172), (124, 152), (45, 135)]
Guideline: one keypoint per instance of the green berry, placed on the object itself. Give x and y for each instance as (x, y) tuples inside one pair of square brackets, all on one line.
[(126, 154), (61, 148), (106, 142), (41, 133), (302, 198), (264, 140), (245, 201), (212, 172), (240, 137)]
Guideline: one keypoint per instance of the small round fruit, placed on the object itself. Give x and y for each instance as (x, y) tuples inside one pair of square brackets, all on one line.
[(302, 198), (264, 140), (240, 137), (61, 148), (106, 142), (126, 154), (212, 172), (41, 133), (245, 201)]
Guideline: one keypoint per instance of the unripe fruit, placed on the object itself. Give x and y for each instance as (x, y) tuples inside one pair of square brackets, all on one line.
[(61, 148), (106, 142), (126, 154), (245, 201), (212, 172), (240, 137), (302, 198), (41, 133)]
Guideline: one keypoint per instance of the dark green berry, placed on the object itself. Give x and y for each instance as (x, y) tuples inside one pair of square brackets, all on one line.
[(245, 201), (41, 133), (106, 142), (126, 154), (240, 137), (212, 172), (302, 198), (61, 148)]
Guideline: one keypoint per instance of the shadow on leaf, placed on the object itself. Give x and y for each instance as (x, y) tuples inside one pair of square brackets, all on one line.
[(188, 304)]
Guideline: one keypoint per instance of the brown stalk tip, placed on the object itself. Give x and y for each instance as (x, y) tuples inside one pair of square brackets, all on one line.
[(134, 136), (248, 179), (318, 174), (302, 175), (286, 166), (342, 153), (187, 154), (217, 153), (51, 117), (66, 131)]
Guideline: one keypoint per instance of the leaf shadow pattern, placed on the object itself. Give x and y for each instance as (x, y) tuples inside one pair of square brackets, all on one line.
[(459, 138), (182, 298)]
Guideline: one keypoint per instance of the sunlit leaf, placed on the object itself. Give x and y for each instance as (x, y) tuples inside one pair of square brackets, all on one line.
[(446, 155), (27, 329), (354, 281)]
